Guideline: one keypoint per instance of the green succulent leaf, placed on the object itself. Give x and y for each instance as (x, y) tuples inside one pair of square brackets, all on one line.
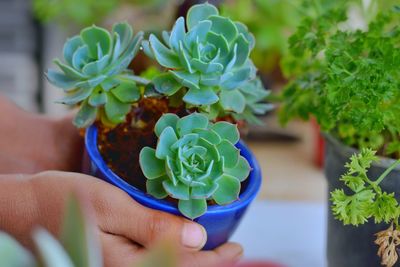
[(115, 109), (192, 208), (51, 252), (166, 140), (155, 188), (227, 130), (126, 92), (151, 166), (86, 115), (95, 35), (13, 254), (98, 97), (229, 152), (197, 13), (233, 100), (166, 120), (166, 84), (241, 170), (178, 191), (193, 121), (227, 191), (164, 56)]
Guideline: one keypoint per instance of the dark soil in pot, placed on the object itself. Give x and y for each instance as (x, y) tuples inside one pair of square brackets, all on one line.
[(350, 246)]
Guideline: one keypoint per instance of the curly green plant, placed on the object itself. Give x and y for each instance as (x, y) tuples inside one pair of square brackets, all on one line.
[(366, 200), (194, 161), (95, 74), (348, 80), (208, 59)]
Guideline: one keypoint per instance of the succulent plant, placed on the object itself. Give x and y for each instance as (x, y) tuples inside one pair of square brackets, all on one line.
[(208, 59), (95, 75), (194, 161), (255, 96)]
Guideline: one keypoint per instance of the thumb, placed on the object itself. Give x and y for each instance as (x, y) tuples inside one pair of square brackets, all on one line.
[(119, 214)]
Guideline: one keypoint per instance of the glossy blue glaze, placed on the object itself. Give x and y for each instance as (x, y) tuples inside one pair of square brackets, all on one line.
[(219, 221)]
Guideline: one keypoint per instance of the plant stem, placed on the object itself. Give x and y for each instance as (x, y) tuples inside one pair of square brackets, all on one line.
[(386, 172)]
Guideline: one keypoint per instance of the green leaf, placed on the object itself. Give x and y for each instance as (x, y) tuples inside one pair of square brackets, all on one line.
[(76, 96), (69, 71), (125, 33), (354, 209), (115, 109), (190, 122), (94, 35), (225, 26), (13, 254), (197, 34), (70, 47), (79, 238), (179, 191), (177, 34), (165, 141), (98, 97), (165, 57), (80, 57), (187, 79), (151, 166), (204, 192), (203, 96), (385, 208), (227, 131), (229, 152), (166, 120), (241, 170), (96, 67), (61, 80), (243, 50), (86, 116), (198, 13), (155, 187), (126, 92), (228, 190), (192, 208), (50, 251), (166, 84), (233, 100), (210, 135), (219, 41)]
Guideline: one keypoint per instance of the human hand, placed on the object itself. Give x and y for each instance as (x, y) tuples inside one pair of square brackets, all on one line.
[(31, 143), (126, 229)]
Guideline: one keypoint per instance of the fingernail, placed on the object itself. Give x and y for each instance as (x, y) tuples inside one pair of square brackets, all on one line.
[(193, 235)]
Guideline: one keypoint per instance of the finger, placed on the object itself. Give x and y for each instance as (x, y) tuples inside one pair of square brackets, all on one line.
[(119, 251), (121, 215), (225, 255)]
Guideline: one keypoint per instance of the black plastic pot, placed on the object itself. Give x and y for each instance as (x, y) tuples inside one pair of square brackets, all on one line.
[(350, 246)]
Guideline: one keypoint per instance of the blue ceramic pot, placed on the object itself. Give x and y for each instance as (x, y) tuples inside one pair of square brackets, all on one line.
[(219, 221)]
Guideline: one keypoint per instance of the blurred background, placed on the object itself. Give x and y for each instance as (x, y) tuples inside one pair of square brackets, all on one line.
[(287, 223)]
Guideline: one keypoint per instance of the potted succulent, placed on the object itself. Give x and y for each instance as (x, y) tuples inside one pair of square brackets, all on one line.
[(170, 133), (348, 80)]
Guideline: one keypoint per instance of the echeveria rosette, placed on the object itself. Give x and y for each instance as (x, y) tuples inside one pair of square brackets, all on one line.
[(95, 73), (255, 104), (194, 161), (209, 57)]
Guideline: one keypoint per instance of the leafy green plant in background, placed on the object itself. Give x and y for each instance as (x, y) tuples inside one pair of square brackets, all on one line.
[(206, 61), (347, 79), (273, 21), (194, 161), (368, 201), (95, 74), (81, 12)]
